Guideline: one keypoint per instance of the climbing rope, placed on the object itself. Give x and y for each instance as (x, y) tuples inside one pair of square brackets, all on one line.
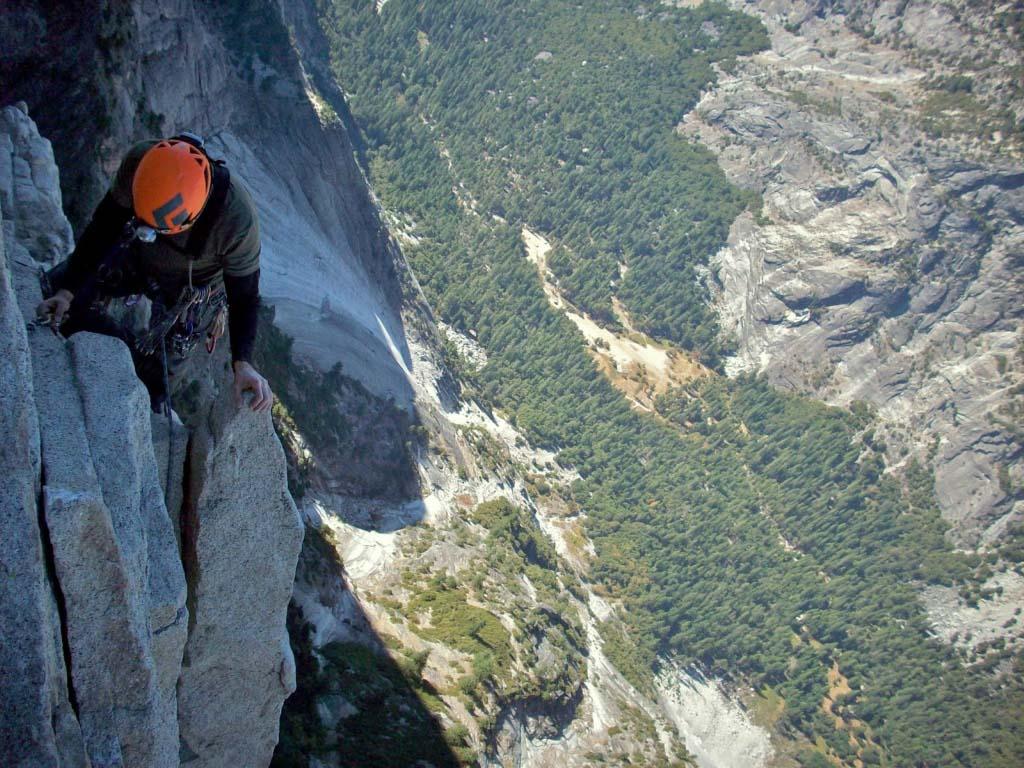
[(170, 424)]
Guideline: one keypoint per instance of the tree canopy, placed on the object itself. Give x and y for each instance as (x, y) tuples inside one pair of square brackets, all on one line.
[(751, 532)]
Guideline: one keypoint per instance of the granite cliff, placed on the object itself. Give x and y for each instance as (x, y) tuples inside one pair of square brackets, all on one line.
[(139, 629), (885, 138), (443, 582)]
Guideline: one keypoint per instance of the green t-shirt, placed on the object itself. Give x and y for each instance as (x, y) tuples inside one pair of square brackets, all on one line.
[(233, 245)]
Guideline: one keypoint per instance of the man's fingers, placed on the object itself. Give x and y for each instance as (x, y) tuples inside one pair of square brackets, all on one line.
[(54, 310), (265, 399), (248, 380), (57, 312), (258, 389)]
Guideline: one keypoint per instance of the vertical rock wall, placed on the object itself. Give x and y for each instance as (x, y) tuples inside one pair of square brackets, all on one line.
[(34, 699), (93, 599)]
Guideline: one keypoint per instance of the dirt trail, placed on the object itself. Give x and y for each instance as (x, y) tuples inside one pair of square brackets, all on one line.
[(636, 365), (860, 735)]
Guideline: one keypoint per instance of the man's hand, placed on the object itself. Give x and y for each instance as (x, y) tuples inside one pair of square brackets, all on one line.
[(56, 308), (248, 378)]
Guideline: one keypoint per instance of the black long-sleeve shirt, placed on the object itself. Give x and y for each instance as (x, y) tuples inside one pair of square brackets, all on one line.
[(243, 313)]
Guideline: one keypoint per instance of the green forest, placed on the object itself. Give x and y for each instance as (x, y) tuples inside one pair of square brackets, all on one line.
[(561, 116), (750, 532)]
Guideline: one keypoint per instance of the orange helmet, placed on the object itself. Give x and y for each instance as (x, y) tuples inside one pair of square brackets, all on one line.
[(171, 186)]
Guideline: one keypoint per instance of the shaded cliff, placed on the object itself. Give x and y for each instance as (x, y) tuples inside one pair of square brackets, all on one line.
[(114, 635), (233, 73)]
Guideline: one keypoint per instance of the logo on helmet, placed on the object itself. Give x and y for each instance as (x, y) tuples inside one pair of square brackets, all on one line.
[(160, 214)]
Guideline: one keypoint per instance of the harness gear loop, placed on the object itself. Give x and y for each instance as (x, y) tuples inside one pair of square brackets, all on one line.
[(217, 329), (193, 315)]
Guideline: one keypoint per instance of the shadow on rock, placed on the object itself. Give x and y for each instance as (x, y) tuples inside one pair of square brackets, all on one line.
[(357, 704), (342, 440)]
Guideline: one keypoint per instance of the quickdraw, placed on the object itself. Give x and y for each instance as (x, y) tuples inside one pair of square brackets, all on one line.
[(196, 313)]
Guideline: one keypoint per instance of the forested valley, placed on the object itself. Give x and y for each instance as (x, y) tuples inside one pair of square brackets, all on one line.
[(754, 533)]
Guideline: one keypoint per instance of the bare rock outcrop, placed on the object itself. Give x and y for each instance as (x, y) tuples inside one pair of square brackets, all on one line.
[(96, 552), (126, 467), (238, 666), (93, 601), (885, 266), (36, 725)]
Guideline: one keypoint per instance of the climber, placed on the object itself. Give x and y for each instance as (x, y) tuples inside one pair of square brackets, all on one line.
[(177, 227)]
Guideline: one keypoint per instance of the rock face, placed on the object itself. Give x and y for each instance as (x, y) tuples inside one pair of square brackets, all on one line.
[(36, 704), (94, 612), (238, 666), (719, 733), (98, 541), (126, 467), (173, 465), (886, 267)]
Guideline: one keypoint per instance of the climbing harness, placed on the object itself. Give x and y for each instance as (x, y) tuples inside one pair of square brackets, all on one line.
[(197, 312)]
